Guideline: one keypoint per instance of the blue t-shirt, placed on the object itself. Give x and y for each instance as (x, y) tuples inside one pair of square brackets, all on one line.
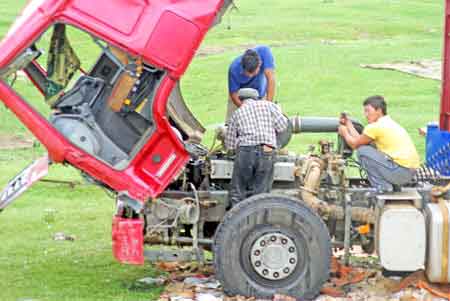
[(237, 78)]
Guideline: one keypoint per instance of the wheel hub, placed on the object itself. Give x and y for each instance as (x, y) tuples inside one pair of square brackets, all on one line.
[(274, 256)]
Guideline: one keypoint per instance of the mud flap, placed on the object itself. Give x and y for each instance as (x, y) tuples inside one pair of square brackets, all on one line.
[(128, 240), (24, 180)]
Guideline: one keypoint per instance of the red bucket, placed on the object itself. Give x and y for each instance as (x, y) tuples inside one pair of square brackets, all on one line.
[(128, 240)]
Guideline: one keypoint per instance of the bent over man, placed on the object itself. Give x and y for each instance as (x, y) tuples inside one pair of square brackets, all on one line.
[(252, 133), (254, 69), (394, 158)]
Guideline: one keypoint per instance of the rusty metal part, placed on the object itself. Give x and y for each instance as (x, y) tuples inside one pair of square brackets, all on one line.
[(312, 172), (194, 219), (358, 214), (72, 184), (170, 255), (180, 240), (438, 192), (347, 228)]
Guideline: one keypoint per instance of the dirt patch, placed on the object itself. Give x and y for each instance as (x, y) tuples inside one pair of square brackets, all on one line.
[(422, 68), (11, 142)]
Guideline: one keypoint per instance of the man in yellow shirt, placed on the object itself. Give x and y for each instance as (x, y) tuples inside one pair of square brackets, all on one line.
[(394, 159)]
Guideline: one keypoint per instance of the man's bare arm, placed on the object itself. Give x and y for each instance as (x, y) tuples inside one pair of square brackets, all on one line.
[(235, 99), (270, 76), (351, 128)]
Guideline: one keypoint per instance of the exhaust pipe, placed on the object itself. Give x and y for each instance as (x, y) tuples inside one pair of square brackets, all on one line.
[(318, 125)]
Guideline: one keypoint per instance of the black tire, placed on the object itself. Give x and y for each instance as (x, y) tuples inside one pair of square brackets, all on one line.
[(262, 215), (388, 273)]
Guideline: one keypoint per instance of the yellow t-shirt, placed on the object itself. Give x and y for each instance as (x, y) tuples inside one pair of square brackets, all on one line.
[(393, 140)]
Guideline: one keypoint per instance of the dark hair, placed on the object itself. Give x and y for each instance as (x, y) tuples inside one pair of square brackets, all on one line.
[(250, 60), (376, 102)]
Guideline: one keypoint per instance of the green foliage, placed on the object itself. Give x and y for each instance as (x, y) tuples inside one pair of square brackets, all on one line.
[(319, 47)]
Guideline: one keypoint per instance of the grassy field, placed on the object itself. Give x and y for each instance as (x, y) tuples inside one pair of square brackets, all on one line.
[(319, 47)]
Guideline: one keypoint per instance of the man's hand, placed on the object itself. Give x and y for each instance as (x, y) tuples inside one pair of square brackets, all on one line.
[(235, 99), (342, 130), (343, 118), (353, 139)]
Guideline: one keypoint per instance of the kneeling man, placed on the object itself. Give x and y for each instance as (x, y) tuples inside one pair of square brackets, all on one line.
[(394, 159)]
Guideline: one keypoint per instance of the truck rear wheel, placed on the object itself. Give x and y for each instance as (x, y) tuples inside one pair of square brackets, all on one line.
[(272, 244)]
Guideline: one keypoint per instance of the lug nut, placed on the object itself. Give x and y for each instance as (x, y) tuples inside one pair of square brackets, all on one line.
[(276, 275), (262, 243), (286, 270), (292, 260), (257, 253), (291, 250), (284, 241), (273, 238), (265, 272), (258, 264)]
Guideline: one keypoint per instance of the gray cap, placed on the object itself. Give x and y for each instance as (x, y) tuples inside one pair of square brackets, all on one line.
[(246, 93)]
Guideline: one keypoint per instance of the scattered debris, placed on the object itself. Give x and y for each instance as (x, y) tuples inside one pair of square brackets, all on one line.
[(193, 281), (423, 68), (419, 280), (62, 236), (283, 298), (361, 281), (152, 281), (185, 267)]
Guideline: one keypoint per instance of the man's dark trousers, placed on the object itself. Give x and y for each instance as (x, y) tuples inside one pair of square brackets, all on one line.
[(252, 173)]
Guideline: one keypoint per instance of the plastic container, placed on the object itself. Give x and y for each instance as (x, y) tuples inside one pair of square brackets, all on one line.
[(128, 240), (401, 237)]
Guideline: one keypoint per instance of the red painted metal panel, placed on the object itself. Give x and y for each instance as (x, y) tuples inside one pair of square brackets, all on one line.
[(176, 36), (121, 15), (445, 96)]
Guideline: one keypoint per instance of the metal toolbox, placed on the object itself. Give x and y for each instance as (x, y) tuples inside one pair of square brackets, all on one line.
[(438, 242)]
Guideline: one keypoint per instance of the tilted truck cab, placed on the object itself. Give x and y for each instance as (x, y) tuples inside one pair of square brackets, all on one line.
[(161, 37)]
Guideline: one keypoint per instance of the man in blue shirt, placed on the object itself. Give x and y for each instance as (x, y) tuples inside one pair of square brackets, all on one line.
[(254, 69)]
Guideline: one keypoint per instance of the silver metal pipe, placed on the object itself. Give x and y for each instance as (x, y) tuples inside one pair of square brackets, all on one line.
[(317, 124), (188, 240)]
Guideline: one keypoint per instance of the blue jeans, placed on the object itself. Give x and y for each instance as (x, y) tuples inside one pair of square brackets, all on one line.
[(252, 173), (381, 170)]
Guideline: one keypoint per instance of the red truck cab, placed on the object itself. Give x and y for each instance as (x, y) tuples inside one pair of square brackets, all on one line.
[(145, 47)]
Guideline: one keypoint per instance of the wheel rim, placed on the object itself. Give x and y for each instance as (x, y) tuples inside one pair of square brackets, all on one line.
[(274, 256)]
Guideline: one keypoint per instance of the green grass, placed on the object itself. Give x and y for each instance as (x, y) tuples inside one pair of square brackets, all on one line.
[(319, 47)]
